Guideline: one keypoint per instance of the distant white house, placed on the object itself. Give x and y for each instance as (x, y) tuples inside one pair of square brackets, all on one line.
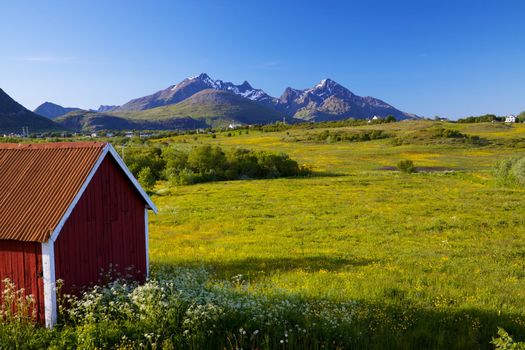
[(510, 119), (375, 117), (234, 126), (94, 134)]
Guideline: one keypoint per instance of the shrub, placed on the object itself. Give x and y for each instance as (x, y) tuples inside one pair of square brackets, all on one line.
[(147, 178), (210, 163), (510, 172), (207, 161), (505, 341), (138, 158), (277, 164), (175, 161), (406, 166), (329, 136)]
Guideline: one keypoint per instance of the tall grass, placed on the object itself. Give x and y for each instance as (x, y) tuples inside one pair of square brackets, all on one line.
[(189, 309)]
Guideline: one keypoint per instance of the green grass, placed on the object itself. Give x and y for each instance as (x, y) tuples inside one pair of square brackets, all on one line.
[(350, 257), (444, 243)]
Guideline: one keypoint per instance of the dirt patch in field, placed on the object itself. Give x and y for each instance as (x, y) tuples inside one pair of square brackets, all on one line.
[(422, 169)]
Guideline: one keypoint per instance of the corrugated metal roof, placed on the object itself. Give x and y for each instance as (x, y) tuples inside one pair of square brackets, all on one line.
[(38, 183)]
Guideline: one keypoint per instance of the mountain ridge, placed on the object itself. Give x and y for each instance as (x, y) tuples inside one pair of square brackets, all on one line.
[(327, 100), (52, 110), (201, 100), (14, 116)]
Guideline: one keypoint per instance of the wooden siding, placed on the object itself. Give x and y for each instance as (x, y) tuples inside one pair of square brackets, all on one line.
[(106, 229), (21, 262)]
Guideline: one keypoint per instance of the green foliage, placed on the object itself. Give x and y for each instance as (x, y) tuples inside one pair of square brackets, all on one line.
[(505, 342), (137, 158), (406, 166), (210, 163), (146, 178), (481, 119), (390, 119), (510, 172), (331, 136), (439, 134), (207, 158)]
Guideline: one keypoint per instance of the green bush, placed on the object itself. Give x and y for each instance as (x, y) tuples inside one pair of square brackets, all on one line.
[(210, 163), (138, 158), (510, 172), (147, 178), (505, 341), (330, 136), (406, 166)]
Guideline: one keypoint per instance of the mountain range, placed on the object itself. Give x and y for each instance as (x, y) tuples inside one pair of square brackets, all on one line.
[(327, 100), (200, 101), (14, 117), (52, 110)]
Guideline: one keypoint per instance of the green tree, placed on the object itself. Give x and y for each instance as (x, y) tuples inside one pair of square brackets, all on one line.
[(390, 119), (208, 160), (175, 160), (147, 178), (521, 117)]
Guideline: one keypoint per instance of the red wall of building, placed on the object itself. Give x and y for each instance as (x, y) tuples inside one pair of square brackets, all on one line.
[(21, 262), (105, 229)]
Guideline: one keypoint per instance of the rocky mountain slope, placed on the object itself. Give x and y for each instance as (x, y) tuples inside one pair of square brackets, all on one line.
[(329, 100), (190, 86)]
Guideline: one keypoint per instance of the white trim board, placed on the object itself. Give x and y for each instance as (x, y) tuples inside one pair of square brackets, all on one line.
[(50, 297), (134, 181), (146, 231), (79, 194)]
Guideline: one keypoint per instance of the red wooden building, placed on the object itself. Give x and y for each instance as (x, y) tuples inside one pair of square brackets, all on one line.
[(69, 211)]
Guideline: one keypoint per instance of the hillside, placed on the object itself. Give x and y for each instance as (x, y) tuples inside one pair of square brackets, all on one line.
[(52, 110), (207, 108), (88, 121), (13, 116), (216, 106)]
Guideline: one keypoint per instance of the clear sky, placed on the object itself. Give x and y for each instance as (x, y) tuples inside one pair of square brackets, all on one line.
[(449, 57)]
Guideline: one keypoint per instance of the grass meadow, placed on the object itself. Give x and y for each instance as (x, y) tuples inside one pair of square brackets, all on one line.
[(447, 247), (354, 256)]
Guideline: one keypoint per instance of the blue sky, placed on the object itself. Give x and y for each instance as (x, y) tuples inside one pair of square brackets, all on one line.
[(448, 58)]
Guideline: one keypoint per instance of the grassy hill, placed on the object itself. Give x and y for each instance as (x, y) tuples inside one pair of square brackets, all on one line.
[(92, 121), (208, 108)]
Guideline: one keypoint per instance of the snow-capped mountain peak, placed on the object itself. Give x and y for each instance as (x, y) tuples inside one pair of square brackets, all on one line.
[(327, 100)]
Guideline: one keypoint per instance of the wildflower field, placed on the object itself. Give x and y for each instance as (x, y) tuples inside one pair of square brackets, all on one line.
[(354, 255)]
